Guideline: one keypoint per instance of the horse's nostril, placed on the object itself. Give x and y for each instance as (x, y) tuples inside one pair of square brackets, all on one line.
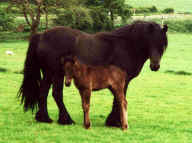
[(154, 67)]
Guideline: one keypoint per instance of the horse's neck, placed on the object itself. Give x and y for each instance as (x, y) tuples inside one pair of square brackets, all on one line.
[(131, 59)]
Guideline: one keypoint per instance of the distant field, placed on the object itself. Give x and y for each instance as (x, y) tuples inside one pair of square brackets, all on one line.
[(159, 103), (178, 5)]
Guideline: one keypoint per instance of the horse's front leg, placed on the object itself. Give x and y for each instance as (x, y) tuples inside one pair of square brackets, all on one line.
[(85, 97), (64, 117), (113, 118), (42, 114)]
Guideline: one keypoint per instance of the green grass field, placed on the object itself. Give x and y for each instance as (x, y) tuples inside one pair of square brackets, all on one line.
[(178, 5), (159, 103)]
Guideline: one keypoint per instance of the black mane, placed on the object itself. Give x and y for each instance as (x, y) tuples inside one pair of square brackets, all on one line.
[(137, 31)]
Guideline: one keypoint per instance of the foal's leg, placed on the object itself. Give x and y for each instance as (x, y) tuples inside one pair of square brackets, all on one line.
[(64, 117), (122, 103), (85, 97), (123, 117), (42, 114), (113, 118)]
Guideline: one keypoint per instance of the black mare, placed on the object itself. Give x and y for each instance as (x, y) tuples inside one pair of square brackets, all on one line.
[(127, 47)]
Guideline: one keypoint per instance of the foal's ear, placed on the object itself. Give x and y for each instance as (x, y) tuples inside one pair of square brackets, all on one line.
[(165, 28)]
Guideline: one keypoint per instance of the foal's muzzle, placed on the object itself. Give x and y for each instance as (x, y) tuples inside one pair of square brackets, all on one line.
[(67, 83), (154, 67)]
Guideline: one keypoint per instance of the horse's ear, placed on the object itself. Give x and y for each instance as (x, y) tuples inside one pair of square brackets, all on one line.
[(165, 28), (151, 28), (62, 60)]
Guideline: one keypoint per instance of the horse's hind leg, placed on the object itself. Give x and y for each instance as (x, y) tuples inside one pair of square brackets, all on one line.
[(85, 97), (114, 117), (64, 117), (42, 114)]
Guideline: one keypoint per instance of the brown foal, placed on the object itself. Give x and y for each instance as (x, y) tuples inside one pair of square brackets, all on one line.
[(92, 78)]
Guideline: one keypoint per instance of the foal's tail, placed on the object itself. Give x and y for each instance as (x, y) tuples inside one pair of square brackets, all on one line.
[(30, 90)]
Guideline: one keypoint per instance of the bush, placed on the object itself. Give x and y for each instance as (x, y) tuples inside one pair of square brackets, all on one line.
[(179, 25), (15, 10), (101, 20), (11, 36), (125, 12), (6, 21), (75, 17), (168, 10), (151, 9)]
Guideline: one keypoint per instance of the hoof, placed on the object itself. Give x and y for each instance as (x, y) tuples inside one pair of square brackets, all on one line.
[(124, 128), (111, 122), (64, 121), (43, 118), (87, 126)]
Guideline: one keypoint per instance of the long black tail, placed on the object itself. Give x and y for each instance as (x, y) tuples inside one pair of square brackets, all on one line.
[(30, 90)]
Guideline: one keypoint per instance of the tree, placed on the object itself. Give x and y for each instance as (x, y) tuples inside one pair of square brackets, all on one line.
[(6, 21), (113, 8), (32, 11), (117, 7)]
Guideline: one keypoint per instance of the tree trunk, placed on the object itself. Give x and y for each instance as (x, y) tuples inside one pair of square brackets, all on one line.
[(34, 27), (46, 18), (112, 17)]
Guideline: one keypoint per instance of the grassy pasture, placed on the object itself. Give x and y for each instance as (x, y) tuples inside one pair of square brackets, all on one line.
[(178, 5), (159, 104)]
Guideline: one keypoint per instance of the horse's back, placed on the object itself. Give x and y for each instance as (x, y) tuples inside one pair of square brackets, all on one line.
[(54, 43), (92, 49)]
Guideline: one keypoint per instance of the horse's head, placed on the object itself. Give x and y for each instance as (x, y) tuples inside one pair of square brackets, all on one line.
[(157, 44), (67, 65)]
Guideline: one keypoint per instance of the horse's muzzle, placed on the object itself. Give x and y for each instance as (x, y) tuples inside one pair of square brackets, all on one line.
[(154, 67)]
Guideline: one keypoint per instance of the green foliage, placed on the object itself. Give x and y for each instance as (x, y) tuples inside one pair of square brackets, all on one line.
[(94, 2), (75, 17), (6, 21), (178, 5), (15, 10), (168, 10), (117, 8), (10, 36), (101, 20), (125, 13), (151, 9), (179, 25)]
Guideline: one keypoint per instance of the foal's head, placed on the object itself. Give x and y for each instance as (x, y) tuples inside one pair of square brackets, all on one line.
[(67, 66), (72, 69)]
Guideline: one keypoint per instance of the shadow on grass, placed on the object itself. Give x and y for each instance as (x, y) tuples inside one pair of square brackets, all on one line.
[(178, 72), (18, 72), (3, 70)]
